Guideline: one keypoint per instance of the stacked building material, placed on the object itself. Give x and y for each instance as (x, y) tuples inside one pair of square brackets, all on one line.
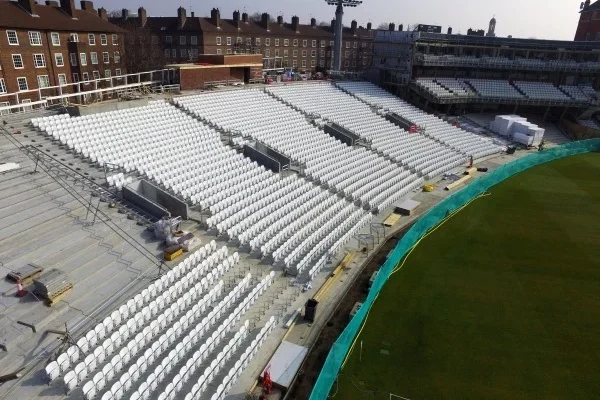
[(52, 284)]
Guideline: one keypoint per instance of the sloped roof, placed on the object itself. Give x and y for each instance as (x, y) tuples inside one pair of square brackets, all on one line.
[(52, 18), (592, 7)]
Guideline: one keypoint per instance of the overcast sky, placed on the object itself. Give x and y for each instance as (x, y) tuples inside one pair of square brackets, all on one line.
[(542, 19)]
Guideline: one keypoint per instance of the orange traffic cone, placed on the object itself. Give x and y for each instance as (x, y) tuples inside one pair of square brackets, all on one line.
[(20, 291)]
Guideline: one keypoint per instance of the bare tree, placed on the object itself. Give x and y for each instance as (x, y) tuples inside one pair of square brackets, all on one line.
[(140, 53), (115, 14), (383, 25), (257, 17), (324, 23)]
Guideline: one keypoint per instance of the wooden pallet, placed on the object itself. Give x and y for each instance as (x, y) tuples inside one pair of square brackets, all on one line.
[(58, 297)]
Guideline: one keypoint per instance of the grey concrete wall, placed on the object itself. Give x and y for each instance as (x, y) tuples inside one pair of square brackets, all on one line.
[(155, 200), (112, 105)]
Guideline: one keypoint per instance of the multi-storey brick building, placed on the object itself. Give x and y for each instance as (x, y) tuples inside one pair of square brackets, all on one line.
[(304, 47), (45, 46), (588, 28)]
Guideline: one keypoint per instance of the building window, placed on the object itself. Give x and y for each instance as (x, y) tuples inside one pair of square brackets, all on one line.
[(346, 63), (94, 58), (194, 54), (4, 104), (285, 53), (105, 57), (276, 42), (85, 77), (35, 39), (295, 42), (55, 38), (347, 45), (295, 53), (17, 61), (228, 41), (154, 39), (313, 63), (96, 74), (39, 61), (286, 42), (304, 43), (167, 53), (73, 58), (347, 53), (322, 53), (303, 63), (304, 52), (331, 43), (103, 39), (117, 57), (169, 39), (322, 63), (13, 40), (91, 39), (218, 38), (183, 40), (219, 51), (62, 79), (174, 53), (257, 41), (83, 59), (107, 73), (276, 52), (228, 51), (322, 43), (314, 43), (194, 40), (313, 53), (183, 53), (267, 41), (238, 40), (73, 37), (267, 52), (75, 77), (2, 86), (354, 44), (294, 63), (118, 72), (115, 39), (43, 81), (22, 83)]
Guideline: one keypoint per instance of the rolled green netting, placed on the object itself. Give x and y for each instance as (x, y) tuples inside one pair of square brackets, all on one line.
[(433, 217)]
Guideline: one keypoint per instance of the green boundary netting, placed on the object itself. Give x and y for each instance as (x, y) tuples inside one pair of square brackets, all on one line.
[(433, 217)]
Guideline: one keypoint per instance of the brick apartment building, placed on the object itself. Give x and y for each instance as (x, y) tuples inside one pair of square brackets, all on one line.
[(303, 47), (588, 28), (55, 44)]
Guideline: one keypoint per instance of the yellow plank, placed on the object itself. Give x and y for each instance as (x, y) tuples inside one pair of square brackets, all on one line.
[(458, 182), (391, 220)]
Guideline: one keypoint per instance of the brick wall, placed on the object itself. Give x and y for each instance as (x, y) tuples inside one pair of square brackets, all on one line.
[(195, 78), (589, 26)]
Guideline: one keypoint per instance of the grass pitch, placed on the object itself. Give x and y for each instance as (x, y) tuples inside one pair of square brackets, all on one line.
[(501, 302)]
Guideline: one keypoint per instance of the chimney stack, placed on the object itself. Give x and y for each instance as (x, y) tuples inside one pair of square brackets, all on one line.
[(236, 19), (142, 16), (295, 23), (401, 27), (353, 26), (88, 6), (181, 17), (280, 19), (333, 25), (68, 6), (313, 22), (265, 21), (28, 5), (215, 16), (449, 30), (392, 26), (369, 26), (102, 13), (245, 17), (125, 13)]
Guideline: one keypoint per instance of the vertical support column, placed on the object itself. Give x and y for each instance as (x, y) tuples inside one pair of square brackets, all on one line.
[(337, 52), (546, 113)]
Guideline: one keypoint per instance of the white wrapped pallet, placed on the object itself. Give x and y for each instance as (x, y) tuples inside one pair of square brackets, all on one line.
[(523, 138)]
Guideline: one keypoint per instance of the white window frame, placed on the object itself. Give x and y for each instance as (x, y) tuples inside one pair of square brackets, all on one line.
[(93, 58), (91, 39), (117, 57), (168, 53), (183, 40), (64, 79), (228, 51), (169, 39), (20, 57), (304, 43), (96, 74), (106, 57), (83, 59), (228, 41), (285, 53), (194, 40), (303, 63), (322, 53), (354, 44), (257, 41), (304, 53), (322, 43), (85, 77), (118, 72), (174, 53), (313, 53), (73, 59), (267, 41), (286, 42), (4, 104), (55, 38), (32, 35), (294, 63), (26, 108), (267, 52), (276, 52), (295, 53), (115, 39), (15, 38), (74, 37), (103, 39), (107, 73), (183, 53), (39, 81), (347, 44), (313, 63), (218, 40), (75, 77), (322, 63), (276, 42), (19, 85), (314, 43), (295, 42), (42, 58), (219, 52), (2, 86)]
